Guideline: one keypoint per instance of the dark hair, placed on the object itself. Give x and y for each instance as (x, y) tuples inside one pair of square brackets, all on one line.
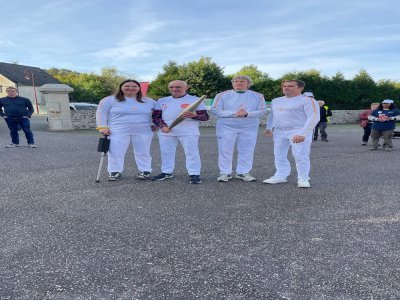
[(300, 83), (392, 106), (120, 95)]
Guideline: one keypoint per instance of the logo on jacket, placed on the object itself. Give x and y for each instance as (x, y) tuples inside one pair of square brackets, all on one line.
[(184, 105)]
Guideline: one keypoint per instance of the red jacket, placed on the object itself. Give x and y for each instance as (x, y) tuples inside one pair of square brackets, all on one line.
[(364, 117)]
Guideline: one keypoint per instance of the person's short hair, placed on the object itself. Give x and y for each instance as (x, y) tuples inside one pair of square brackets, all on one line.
[(181, 81), (11, 88), (300, 83), (375, 103), (246, 77)]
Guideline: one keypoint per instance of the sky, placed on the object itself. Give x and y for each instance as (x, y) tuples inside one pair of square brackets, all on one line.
[(140, 37)]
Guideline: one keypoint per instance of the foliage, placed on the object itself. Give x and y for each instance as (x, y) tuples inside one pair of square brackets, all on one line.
[(205, 77), (252, 71), (159, 87), (89, 87)]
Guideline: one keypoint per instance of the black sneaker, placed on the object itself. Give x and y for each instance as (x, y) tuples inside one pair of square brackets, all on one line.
[(194, 179), (143, 175), (114, 176), (163, 176)]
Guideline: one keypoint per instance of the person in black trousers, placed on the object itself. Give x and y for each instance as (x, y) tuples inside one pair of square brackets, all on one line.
[(325, 113), (366, 124)]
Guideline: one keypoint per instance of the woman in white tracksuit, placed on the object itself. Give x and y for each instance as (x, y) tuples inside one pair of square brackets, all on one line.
[(238, 112), (126, 118), (293, 118)]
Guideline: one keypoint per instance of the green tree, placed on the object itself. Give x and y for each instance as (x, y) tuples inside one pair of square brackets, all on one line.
[(363, 90), (159, 87), (269, 87), (252, 71), (337, 91), (312, 78), (60, 72), (386, 89), (89, 87), (112, 78), (204, 77), (262, 83)]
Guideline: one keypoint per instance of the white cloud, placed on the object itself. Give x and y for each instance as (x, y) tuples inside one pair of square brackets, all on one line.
[(141, 36)]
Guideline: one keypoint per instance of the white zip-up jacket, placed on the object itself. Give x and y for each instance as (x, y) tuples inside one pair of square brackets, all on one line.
[(299, 114)]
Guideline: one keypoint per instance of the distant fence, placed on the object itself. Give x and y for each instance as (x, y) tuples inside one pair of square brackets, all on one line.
[(86, 119)]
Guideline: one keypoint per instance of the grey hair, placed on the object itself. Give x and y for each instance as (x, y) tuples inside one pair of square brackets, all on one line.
[(246, 77)]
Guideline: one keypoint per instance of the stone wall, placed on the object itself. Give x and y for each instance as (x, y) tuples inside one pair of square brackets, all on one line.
[(83, 119), (86, 119)]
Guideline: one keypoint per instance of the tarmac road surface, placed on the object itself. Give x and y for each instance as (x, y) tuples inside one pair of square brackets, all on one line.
[(63, 236)]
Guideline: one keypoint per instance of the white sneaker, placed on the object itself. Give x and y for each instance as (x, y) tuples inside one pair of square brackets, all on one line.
[(275, 180), (303, 183), (12, 146), (246, 177), (224, 177), (32, 146)]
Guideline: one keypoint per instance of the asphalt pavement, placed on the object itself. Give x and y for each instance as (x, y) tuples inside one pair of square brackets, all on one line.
[(63, 236)]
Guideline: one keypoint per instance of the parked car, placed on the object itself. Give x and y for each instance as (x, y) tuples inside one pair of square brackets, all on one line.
[(82, 106)]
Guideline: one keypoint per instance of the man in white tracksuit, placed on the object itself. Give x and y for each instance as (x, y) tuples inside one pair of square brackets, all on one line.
[(187, 132), (293, 118), (238, 112)]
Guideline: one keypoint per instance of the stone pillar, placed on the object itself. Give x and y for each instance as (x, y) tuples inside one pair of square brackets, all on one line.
[(57, 105)]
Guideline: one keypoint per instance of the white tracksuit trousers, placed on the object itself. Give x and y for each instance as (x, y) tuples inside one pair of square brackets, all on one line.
[(190, 146), (300, 152), (120, 139), (246, 143)]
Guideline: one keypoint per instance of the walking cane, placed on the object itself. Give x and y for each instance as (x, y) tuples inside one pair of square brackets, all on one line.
[(103, 147)]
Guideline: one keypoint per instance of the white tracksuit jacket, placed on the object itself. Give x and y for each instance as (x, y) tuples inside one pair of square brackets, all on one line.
[(129, 121), (187, 133), (290, 116), (240, 130)]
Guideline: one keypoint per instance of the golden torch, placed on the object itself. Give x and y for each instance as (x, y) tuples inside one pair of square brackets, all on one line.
[(191, 108)]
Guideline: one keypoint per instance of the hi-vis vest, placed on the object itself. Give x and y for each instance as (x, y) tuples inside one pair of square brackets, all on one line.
[(328, 119)]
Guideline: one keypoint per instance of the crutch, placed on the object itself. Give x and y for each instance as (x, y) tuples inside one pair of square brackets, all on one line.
[(103, 147)]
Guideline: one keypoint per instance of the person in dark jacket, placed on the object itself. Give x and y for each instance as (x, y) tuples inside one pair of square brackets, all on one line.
[(325, 113), (17, 111), (383, 125)]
